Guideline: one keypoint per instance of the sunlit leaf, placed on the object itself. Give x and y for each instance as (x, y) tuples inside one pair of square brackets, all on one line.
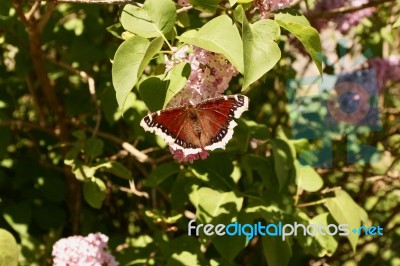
[(155, 18), (219, 35)]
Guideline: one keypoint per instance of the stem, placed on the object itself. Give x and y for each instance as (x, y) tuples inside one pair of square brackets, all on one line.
[(318, 202)]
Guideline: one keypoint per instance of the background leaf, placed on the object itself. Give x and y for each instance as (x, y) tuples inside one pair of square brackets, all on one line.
[(94, 192), (8, 249), (209, 6), (155, 18), (345, 211)]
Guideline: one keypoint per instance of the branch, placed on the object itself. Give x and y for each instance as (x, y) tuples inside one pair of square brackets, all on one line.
[(342, 10), (132, 189), (51, 7), (183, 9), (36, 102), (140, 156), (92, 88), (25, 125)]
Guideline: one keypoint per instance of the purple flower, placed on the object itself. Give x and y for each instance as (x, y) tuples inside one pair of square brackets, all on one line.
[(83, 251), (181, 157), (209, 77), (183, 2), (346, 21), (267, 6), (386, 70)]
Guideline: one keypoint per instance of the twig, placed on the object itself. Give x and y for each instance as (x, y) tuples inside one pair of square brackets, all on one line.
[(343, 10), (132, 189), (138, 155), (36, 102), (327, 190), (318, 202), (25, 125), (141, 157), (34, 8), (92, 88), (183, 9), (51, 7)]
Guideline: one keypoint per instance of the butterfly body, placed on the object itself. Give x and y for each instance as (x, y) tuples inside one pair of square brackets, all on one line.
[(192, 128)]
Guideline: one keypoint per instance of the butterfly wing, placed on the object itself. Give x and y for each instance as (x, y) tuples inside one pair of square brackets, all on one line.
[(175, 127), (216, 119), (207, 125)]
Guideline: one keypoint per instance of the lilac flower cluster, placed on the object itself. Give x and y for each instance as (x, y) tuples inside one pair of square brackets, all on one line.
[(183, 2), (346, 21), (267, 6), (386, 70), (83, 251), (209, 77)]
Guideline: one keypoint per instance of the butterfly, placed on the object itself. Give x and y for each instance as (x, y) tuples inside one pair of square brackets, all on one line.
[(192, 128)]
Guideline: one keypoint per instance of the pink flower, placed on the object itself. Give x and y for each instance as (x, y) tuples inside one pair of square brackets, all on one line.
[(209, 77), (183, 2), (181, 157), (346, 21), (267, 6), (83, 251), (386, 70)]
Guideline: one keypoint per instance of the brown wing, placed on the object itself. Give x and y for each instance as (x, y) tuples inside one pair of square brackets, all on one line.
[(216, 119), (174, 126)]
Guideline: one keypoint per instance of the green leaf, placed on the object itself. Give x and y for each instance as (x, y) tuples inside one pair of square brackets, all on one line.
[(116, 169), (307, 178), (18, 216), (261, 52), (177, 77), (155, 18), (283, 160), (162, 172), (157, 91), (183, 258), (8, 249), (210, 203), (229, 246), (130, 60), (318, 245), (345, 211), (94, 147), (276, 251), (219, 35), (83, 172), (209, 6), (153, 91), (94, 192), (328, 243), (397, 23), (299, 26)]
